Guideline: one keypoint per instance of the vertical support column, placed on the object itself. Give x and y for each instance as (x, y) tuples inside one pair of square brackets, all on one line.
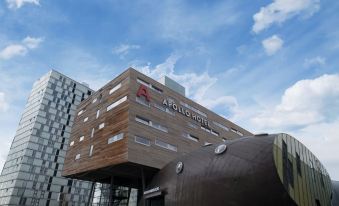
[(90, 194), (111, 191), (143, 182)]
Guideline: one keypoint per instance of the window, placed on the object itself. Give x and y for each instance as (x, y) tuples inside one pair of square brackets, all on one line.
[(91, 150), (142, 101), (79, 113), (215, 133), (192, 125), (117, 103), (237, 132), (77, 157), (164, 109), (81, 138), (142, 120), (156, 89), (94, 100), (165, 145), (193, 109), (115, 88), (102, 125), (298, 164), (86, 119), (72, 143), (191, 137), (142, 140), (159, 127), (149, 85), (143, 82), (92, 133), (221, 126), (115, 138), (98, 114)]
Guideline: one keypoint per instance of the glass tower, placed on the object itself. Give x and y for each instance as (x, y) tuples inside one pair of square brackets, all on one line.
[(32, 172)]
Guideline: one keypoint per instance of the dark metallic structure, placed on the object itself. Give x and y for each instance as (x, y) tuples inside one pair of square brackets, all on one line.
[(259, 170)]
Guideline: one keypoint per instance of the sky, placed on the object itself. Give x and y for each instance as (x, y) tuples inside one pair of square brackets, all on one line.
[(268, 65)]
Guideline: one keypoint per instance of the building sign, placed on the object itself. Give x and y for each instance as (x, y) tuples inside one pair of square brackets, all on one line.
[(143, 91), (182, 110)]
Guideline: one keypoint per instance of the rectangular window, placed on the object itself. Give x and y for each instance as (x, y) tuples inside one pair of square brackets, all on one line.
[(81, 138), (215, 133), (92, 133), (143, 82), (72, 143), (98, 114), (86, 119), (164, 109), (142, 120), (191, 137), (102, 125), (221, 126), (193, 109), (77, 157), (165, 145), (156, 89), (159, 127), (115, 138), (79, 113), (115, 88), (117, 103), (91, 150), (94, 100), (192, 125), (142, 101), (298, 164), (142, 140)]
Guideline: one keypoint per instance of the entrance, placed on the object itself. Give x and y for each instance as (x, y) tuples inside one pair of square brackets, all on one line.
[(156, 201)]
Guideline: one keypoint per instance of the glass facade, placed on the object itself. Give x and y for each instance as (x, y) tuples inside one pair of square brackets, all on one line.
[(32, 172), (301, 173)]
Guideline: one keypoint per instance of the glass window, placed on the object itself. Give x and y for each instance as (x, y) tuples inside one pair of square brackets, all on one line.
[(165, 145), (91, 150), (77, 157), (92, 133), (142, 140), (86, 119), (142, 101), (221, 126), (102, 125), (79, 113), (81, 138), (115, 88), (72, 143), (142, 120), (191, 137), (98, 114), (115, 138), (94, 100), (114, 104)]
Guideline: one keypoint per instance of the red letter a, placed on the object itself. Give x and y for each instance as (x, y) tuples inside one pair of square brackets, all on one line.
[(144, 92)]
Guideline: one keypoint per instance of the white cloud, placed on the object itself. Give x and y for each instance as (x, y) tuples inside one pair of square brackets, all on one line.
[(123, 49), (16, 4), (272, 44), (12, 50), (306, 102), (315, 62), (3, 103), (280, 10), (197, 84), (31, 42)]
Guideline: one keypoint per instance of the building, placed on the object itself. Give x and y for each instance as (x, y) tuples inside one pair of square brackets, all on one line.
[(32, 172), (257, 170), (132, 127)]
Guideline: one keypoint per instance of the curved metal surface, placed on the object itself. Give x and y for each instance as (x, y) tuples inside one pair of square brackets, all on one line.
[(245, 174)]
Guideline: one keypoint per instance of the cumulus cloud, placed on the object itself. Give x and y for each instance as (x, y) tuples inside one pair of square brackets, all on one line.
[(123, 49), (272, 44), (16, 4), (307, 102), (20, 49), (197, 84), (280, 10), (314, 62), (3, 103)]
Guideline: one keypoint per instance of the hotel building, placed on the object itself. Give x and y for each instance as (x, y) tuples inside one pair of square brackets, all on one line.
[(32, 172), (132, 127)]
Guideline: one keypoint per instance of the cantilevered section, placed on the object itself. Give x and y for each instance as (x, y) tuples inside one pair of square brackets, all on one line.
[(134, 126)]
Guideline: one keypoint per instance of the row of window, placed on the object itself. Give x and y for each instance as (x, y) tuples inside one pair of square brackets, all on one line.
[(149, 85), (115, 88), (102, 125), (159, 143), (151, 123)]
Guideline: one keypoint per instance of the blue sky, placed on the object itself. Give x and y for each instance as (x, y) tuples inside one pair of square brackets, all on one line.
[(268, 65)]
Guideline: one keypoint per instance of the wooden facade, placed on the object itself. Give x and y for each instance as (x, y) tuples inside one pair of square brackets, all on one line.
[(142, 134)]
